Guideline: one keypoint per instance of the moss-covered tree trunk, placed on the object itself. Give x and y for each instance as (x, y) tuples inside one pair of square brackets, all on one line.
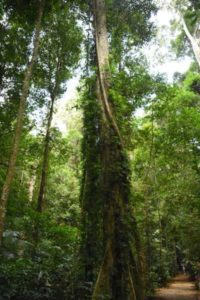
[(119, 273), (91, 246), (20, 118)]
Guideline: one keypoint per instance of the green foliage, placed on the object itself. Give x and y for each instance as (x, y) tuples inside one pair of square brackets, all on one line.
[(60, 49), (166, 179), (129, 24), (130, 89), (44, 255), (192, 82), (189, 11), (45, 276)]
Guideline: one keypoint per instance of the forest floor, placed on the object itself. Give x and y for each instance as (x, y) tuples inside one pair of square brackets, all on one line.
[(180, 288)]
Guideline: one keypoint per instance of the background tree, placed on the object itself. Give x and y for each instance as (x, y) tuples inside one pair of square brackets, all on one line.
[(59, 55), (189, 19), (20, 116)]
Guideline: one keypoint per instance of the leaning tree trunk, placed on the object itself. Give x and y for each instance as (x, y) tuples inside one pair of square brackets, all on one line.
[(19, 124), (194, 41), (118, 276), (41, 195)]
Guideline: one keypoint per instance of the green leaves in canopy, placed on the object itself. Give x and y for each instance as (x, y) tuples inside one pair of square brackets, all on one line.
[(192, 82), (26, 10), (59, 50), (129, 24)]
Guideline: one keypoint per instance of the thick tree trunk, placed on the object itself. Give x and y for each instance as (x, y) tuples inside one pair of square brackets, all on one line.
[(91, 246), (102, 52), (19, 124), (41, 195), (119, 276)]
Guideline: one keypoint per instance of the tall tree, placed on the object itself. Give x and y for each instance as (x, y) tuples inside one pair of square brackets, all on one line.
[(20, 117), (190, 20), (60, 49), (109, 100), (117, 278)]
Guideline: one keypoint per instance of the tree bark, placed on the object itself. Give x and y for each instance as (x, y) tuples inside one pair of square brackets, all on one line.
[(41, 195), (19, 122), (118, 276), (194, 43), (102, 52), (91, 207), (31, 186)]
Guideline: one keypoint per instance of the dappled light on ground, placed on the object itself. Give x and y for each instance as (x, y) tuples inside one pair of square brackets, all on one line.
[(181, 288)]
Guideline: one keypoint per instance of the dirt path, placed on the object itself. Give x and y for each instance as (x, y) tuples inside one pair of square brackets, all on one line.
[(181, 288)]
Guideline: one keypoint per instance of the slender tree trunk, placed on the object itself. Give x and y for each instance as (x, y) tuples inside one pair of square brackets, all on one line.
[(31, 187), (41, 202), (19, 124), (42, 188), (118, 276), (193, 41)]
